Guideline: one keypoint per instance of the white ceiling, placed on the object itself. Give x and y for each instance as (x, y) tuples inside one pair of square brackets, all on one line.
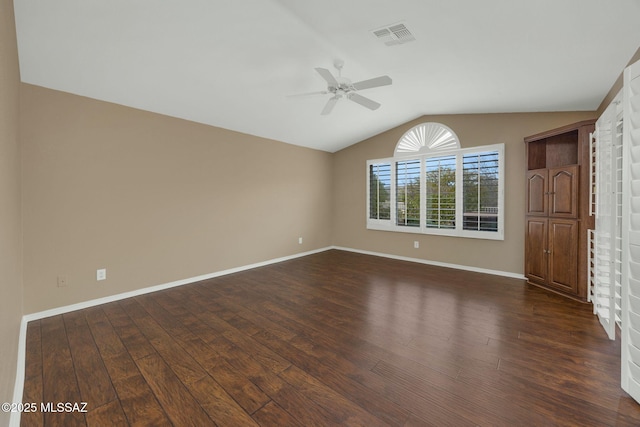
[(232, 64)]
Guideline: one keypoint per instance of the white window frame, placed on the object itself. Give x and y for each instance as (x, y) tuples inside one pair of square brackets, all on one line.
[(381, 222), (458, 231)]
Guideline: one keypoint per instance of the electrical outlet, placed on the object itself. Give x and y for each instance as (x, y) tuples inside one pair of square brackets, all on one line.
[(101, 274), (299, 240), (62, 281), (416, 244)]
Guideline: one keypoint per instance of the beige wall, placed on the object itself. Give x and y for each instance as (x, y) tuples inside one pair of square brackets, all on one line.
[(349, 210), (10, 227), (155, 199)]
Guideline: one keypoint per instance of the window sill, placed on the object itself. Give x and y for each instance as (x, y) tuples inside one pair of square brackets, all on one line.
[(486, 235)]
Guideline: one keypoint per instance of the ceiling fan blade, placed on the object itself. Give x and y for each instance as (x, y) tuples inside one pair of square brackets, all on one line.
[(326, 74), (329, 106), (296, 95), (365, 102), (375, 82)]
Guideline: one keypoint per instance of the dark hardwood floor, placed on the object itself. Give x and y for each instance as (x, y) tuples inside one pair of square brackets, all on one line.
[(335, 338)]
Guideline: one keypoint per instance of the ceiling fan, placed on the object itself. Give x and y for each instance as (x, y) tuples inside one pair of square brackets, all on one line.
[(341, 87)]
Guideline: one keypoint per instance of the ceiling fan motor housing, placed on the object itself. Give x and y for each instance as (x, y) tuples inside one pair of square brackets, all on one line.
[(341, 87), (344, 86)]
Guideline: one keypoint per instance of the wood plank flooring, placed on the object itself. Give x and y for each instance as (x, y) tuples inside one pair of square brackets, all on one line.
[(334, 338)]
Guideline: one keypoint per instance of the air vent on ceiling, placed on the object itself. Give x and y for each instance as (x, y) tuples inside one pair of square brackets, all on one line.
[(394, 34)]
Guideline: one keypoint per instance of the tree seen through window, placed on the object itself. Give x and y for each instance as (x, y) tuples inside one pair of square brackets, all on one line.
[(408, 193), (480, 191), (380, 191), (440, 192)]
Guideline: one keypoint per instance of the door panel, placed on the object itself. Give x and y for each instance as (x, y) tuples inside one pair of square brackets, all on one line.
[(537, 192), (563, 254), (563, 191), (536, 263)]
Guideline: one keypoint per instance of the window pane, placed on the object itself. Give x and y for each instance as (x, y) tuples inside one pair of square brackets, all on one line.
[(408, 193), (380, 191), (480, 191), (441, 192)]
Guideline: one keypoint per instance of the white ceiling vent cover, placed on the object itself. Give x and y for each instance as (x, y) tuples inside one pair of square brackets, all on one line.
[(394, 34)]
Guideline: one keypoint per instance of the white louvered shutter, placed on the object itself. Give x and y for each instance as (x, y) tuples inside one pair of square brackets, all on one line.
[(602, 262), (630, 369)]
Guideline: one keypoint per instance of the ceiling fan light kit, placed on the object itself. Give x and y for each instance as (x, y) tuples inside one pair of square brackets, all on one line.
[(341, 87)]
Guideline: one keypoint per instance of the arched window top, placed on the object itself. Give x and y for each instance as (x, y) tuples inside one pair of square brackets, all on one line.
[(425, 138)]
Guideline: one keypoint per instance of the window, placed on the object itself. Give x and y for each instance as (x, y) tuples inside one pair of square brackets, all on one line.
[(440, 192), (480, 191), (433, 186), (408, 193), (380, 191)]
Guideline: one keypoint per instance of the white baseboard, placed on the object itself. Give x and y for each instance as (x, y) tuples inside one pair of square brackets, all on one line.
[(142, 291), (436, 263), (14, 420), (91, 303)]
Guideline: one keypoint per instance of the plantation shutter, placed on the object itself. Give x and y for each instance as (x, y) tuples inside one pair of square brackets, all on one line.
[(480, 191), (630, 374), (380, 191), (440, 192), (605, 240), (408, 193)]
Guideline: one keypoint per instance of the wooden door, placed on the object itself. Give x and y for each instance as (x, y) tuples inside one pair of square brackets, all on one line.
[(537, 192), (563, 255), (563, 191), (536, 260)]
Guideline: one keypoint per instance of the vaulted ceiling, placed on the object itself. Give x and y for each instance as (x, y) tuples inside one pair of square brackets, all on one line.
[(232, 64)]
